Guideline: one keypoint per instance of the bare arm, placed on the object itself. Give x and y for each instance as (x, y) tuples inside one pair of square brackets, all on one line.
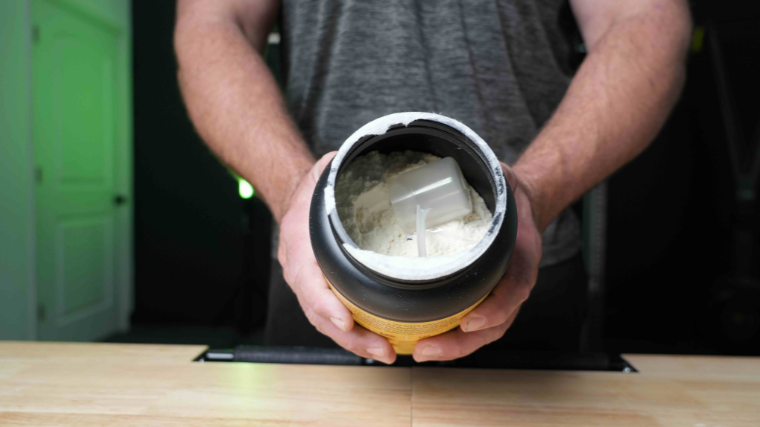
[(616, 103), (232, 97)]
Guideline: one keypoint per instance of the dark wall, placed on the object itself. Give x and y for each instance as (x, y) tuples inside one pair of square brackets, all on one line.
[(672, 211), (673, 214), (189, 237)]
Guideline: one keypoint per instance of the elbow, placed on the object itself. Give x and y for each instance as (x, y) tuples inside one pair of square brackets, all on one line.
[(181, 36), (190, 28), (179, 46), (186, 39), (670, 35), (683, 28), (185, 43), (678, 28), (669, 29)]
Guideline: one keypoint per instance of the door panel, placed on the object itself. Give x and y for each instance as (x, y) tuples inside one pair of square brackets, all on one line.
[(74, 83), (82, 95), (84, 281)]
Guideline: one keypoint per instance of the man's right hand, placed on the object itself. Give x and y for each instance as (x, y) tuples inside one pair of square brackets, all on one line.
[(321, 306)]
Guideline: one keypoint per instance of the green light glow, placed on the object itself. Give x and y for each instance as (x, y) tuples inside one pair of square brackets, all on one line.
[(245, 189)]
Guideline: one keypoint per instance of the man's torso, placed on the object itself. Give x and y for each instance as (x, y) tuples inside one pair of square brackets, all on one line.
[(499, 66)]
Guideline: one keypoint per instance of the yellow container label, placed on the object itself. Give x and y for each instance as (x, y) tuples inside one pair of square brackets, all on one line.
[(402, 336)]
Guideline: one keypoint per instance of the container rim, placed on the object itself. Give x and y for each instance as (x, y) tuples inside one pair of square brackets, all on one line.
[(417, 269)]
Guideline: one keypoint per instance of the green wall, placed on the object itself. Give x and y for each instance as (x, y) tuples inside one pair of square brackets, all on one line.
[(16, 192)]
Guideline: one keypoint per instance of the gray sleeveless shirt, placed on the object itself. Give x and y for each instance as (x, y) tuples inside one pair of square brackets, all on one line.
[(499, 66)]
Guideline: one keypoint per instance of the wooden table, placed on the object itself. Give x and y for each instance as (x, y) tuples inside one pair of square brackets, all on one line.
[(57, 384)]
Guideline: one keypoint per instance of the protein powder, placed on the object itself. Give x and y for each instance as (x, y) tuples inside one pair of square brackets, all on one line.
[(364, 206)]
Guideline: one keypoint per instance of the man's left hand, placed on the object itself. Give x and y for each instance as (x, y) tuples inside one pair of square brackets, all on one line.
[(491, 319)]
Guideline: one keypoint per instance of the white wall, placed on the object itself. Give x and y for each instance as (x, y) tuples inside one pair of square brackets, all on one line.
[(17, 297)]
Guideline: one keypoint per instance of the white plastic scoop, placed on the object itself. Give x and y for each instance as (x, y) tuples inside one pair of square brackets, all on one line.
[(428, 196)]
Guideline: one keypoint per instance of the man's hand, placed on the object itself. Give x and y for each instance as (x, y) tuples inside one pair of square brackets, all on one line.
[(491, 319), (321, 306)]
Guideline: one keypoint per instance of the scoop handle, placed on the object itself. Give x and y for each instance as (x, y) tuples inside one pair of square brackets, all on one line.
[(421, 233)]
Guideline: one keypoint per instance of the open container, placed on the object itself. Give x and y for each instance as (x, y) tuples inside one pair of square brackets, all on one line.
[(408, 299)]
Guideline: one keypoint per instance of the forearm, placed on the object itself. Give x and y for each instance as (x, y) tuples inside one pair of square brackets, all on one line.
[(614, 107), (237, 108)]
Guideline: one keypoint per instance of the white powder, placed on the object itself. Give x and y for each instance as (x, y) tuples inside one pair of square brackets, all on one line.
[(365, 210)]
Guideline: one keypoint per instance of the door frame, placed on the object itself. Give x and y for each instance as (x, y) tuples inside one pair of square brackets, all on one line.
[(17, 222), (117, 14)]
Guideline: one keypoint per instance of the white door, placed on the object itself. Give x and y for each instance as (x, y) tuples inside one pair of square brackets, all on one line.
[(77, 124)]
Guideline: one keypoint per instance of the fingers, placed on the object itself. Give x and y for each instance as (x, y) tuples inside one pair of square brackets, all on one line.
[(511, 291), (323, 309), (358, 341), (299, 265), (499, 307), (457, 343), (306, 279), (514, 288)]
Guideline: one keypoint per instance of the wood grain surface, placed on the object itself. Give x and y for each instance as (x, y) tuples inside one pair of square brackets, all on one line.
[(85, 385), (57, 384), (552, 398)]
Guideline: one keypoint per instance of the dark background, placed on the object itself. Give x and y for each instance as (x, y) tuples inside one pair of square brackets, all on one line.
[(190, 223), (202, 252), (673, 215)]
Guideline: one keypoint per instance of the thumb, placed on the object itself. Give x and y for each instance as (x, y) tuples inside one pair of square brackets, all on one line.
[(509, 174), (321, 164)]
